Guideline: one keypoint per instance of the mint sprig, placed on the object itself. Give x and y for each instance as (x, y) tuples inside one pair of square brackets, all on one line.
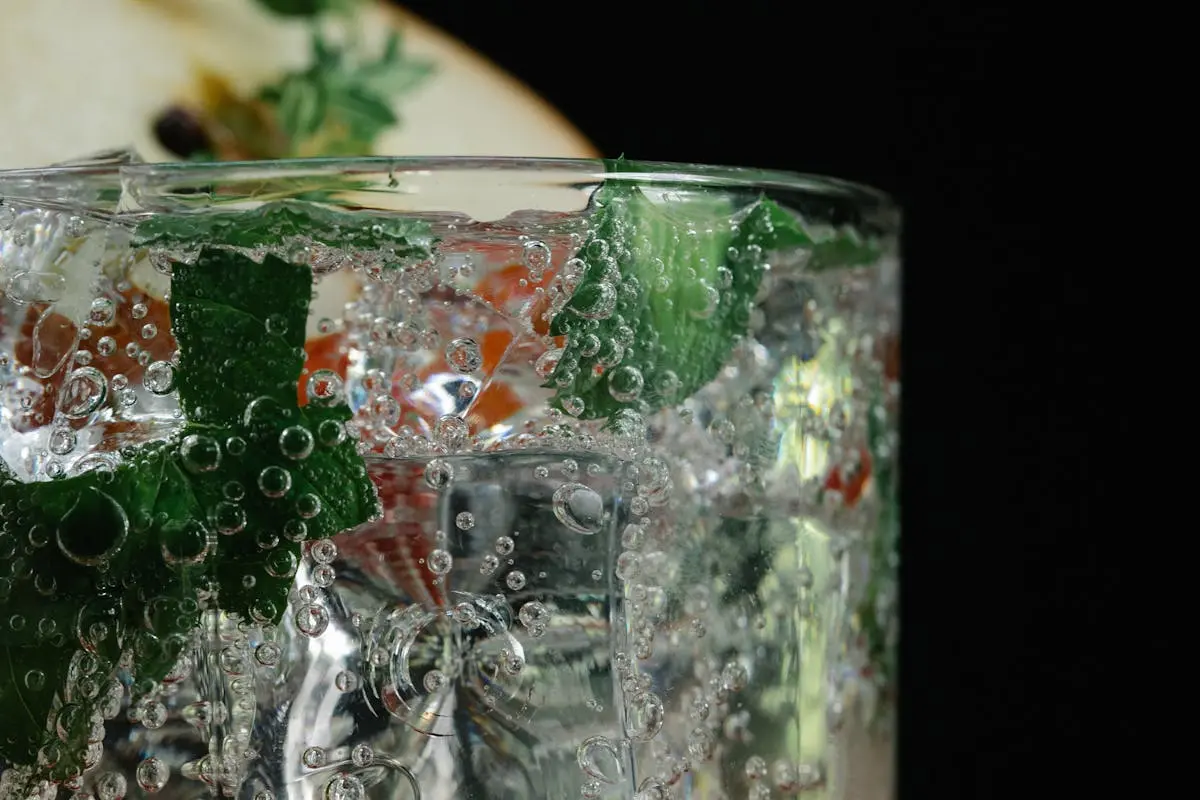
[(112, 560), (339, 104)]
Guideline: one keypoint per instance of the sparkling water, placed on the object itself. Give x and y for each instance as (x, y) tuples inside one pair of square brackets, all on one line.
[(691, 601)]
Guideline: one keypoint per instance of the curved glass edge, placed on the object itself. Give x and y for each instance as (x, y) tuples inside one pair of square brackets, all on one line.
[(141, 174)]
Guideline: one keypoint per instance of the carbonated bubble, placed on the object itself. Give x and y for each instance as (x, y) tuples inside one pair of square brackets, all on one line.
[(515, 580), (274, 481), (323, 551), (323, 575), (438, 474), (579, 508), (94, 530), (701, 744), (184, 542), (434, 680), (313, 757), (537, 258), (706, 303), (308, 506), (633, 536), (505, 545), (83, 393), (595, 301), (652, 788), (589, 345), (296, 442), (625, 384), (345, 681), (362, 755), (331, 432), (534, 615), (312, 620), (645, 716), (386, 410), (62, 441), (667, 384), (159, 378), (199, 453), (734, 677), (488, 564), (547, 362), (153, 714), (268, 654), (35, 679), (513, 663), (756, 768), (792, 778), (344, 786), (629, 565), (573, 405), (440, 562), (110, 786), (464, 521), (595, 751), (153, 774), (464, 614), (324, 387), (295, 530), (451, 431), (281, 563), (464, 356), (229, 518)]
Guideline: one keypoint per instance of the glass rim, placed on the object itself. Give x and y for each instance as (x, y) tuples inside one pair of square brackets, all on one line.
[(590, 169)]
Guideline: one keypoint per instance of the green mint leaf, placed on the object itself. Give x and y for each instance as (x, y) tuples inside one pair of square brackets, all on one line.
[(111, 559), (393, 73), (306, 8), (665, 290), (340, 104), (301, 104), (365, 114), (283, 223), (222, 301), (54, 538), (881, 632)]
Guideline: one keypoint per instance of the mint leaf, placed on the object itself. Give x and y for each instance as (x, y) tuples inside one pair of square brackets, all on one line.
[(280, 223), (877, 613), (111, 560), (340, 104), (666, 289), (221, 302), (301, 106), (307, 8), (82, 553)]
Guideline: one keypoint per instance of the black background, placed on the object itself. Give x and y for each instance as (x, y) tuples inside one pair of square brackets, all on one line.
[(942, 107)]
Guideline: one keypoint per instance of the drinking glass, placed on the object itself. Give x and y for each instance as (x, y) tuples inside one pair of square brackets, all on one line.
[(446, 478)]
